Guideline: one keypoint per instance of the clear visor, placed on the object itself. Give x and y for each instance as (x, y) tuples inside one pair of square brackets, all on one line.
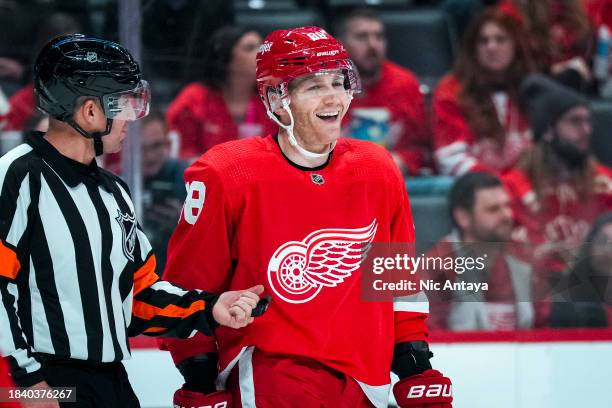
[(320, 84), (128, 105), (341, 82)]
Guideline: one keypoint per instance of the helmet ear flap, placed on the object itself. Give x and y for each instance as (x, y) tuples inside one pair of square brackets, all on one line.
[(274, 99), (275, 103)]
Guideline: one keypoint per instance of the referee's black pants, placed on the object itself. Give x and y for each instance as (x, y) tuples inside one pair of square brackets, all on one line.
[(98, 385)]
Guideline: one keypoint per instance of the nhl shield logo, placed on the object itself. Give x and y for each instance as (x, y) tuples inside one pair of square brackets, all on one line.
[(91, 56), (317, 179), (127, 222)]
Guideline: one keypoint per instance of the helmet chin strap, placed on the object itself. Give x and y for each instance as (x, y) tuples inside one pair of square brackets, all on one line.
[(290, 135), (96, 136)]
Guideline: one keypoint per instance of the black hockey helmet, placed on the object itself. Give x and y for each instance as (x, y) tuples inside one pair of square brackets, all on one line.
[(75, 65)]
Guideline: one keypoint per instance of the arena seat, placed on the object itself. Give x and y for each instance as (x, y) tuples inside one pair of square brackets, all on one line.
[(601, 140), (266, 21), (369, 3), (420, 39), (268, 5), (429, 204)]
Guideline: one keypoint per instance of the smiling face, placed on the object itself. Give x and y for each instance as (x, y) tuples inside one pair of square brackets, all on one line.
[(318, 104)]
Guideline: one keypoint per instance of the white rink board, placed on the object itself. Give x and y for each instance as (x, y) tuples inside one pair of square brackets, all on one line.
[(153, 377), (484, 375)]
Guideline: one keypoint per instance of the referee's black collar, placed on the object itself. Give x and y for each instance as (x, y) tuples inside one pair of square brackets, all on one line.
[(71, 171)]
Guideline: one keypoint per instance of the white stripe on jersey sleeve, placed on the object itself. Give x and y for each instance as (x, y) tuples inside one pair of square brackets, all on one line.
[(411, 303), (168, 287)]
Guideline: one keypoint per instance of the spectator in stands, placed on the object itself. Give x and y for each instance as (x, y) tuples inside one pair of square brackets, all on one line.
[(390, 110), (11, 69), (585, 295), (560, 36), (481, 213), (477, 124), (224, 105), (600, 12), (21, 103), (163, 187), (559, 189)]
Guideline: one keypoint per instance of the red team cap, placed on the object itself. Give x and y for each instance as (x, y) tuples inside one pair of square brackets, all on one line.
[(289, 54)]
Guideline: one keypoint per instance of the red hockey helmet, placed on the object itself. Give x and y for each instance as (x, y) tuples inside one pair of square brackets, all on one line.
[(289, 54)]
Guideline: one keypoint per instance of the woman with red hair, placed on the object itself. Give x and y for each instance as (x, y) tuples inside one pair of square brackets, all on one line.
[(477, 124), (561, 35)]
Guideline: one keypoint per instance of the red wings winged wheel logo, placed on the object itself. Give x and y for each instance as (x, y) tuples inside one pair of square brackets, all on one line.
[(298, 271)]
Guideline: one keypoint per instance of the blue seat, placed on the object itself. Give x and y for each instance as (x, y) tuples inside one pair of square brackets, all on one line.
[(369, 3), (420, 39), (269, 5), (266, 21), (429, 204), (601, 139)]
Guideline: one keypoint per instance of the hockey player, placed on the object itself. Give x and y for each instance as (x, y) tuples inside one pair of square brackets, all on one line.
[(295, 209), (77, 274)]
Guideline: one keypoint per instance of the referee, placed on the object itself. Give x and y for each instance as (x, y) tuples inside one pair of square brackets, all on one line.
[(77, 274)]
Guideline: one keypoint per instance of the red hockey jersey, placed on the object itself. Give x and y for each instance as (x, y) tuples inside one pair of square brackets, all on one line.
[(253, 217), (458, 149), (22, 105), (5, 384), (202, 119), (563, 214), (391, 113)]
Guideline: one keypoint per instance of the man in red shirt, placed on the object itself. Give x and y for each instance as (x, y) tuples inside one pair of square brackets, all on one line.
[(390, 110), (481, 212), (296, 210), (560, 189)]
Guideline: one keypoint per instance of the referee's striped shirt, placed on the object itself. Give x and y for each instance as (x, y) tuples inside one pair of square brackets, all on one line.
[(77, 275)]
